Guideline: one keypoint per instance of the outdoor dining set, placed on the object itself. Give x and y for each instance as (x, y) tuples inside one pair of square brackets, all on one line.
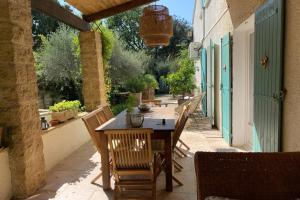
[(135, 156)]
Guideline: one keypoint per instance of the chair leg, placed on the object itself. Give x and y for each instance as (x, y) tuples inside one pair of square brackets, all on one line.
[(178, 149), (154, 190), (184, 144), (95, 179), (178, 154), (177, 164), (177, 168), (177, 181)]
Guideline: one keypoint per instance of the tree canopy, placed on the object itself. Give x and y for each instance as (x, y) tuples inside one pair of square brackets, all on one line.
[(182, 81), (126, 25), (58, 63)]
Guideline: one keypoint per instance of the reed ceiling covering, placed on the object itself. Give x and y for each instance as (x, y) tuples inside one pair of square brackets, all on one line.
[(97, 9)]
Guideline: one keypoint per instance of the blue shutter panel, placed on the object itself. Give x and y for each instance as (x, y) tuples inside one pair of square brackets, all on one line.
[(226, 87), (203, 81), (268, 78)]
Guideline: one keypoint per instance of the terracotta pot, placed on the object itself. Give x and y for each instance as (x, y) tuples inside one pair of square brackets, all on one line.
[(148, 94), (64, 115)]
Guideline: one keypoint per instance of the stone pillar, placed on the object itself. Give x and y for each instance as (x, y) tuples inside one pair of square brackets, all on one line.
[(94, 90), (19, 99)]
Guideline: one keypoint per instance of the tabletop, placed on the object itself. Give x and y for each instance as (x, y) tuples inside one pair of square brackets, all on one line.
[(152, 119)]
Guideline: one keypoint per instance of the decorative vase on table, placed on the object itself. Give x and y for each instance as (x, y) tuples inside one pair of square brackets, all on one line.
[(136, 120)]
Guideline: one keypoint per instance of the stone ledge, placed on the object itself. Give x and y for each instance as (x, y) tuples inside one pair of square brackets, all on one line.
[(79, 116)]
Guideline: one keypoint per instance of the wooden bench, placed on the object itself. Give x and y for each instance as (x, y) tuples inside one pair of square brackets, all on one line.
[(261, 176)]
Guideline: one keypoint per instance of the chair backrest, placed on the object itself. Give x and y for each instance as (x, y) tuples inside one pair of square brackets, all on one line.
[(100, 115), (180, 125), (248, 176), (91, 122), (130, 148), (107, 112), (194, 104)]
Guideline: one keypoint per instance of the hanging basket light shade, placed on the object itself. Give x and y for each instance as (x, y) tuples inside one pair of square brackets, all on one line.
[(156, 26)]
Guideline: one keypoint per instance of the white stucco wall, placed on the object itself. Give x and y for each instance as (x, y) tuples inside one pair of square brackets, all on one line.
[(291, 79), (60, 142), (5, 176), (217, 24), (241, 83), (197, 37)]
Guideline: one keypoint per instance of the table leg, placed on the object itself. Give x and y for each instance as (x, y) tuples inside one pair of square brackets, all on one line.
[(168, 170), (105, 161)]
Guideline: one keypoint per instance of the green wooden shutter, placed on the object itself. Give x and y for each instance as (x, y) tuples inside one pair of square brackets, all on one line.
[(226, 87), (268, 78), (203, 82)]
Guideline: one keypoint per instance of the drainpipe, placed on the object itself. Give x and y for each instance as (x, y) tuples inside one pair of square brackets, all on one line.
[(204, 4)]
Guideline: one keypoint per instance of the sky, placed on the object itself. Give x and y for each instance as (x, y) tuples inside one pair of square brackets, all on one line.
[(181, 8)]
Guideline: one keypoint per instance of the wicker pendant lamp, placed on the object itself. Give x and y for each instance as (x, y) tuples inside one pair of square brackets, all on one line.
[(156, 26)]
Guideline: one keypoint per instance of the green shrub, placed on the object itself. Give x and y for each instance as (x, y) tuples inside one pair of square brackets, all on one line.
[(136, 85), (150, 81), (182, 81), (116, 109), (65, 105)]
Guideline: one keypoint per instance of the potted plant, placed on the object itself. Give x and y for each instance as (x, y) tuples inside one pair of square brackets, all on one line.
[(182, 81), (150, 85), (135, 86), (64, 110), (130, 104)]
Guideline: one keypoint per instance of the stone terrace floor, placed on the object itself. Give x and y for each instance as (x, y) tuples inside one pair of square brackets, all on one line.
[(70, 179)]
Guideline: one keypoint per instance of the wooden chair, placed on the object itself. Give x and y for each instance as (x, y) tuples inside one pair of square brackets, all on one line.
[(193, 105), (132, 158), (178, 151), (92, 121), (175, 138), (248, 176), (107, 112)]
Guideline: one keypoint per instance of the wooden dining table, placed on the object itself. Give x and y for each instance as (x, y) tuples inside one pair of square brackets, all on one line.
[(152, 119)]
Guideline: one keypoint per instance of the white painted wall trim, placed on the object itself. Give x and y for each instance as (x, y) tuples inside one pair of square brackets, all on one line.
[(242, 84)]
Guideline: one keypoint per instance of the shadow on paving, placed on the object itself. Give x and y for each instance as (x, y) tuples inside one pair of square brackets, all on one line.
[(72, 174)]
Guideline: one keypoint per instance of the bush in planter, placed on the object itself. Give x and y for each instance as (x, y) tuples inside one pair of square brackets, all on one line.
[(65, 110), (150, 81), (151, 84), (135, 86), (182, 81)]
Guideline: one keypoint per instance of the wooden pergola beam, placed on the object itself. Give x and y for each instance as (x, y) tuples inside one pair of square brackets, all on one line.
[(51, 8), (116, 10)]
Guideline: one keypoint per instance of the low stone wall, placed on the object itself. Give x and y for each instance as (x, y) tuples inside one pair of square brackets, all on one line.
[(60, 141), (5, 176)]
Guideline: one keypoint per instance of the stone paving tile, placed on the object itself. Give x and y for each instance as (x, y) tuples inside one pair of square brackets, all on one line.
[(70, 179)]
